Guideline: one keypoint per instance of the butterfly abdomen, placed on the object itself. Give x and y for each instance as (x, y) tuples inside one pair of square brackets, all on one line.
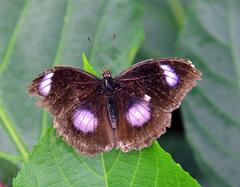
[(112, 112)]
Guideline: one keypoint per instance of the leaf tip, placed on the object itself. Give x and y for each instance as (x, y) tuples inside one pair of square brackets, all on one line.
[(87, 66)]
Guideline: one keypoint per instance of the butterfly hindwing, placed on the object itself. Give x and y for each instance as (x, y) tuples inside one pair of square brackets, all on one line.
[(140, 122), (86, 126)]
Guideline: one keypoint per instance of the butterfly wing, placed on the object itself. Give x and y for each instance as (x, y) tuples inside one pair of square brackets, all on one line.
[(86, 127), (71, 96), (150, 91), (140, 122)]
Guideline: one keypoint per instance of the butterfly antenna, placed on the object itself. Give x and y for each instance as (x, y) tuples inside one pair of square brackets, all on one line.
[(93, 49), (113, 45)]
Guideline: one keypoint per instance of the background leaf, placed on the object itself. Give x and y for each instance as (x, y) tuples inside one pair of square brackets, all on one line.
[(162, 20), (39, 34), (211, 40), (7, 172), (53, 163)]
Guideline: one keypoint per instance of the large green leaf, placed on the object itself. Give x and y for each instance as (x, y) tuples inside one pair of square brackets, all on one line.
[(36, 34), (53, 163), (211, 112), (162, 20)]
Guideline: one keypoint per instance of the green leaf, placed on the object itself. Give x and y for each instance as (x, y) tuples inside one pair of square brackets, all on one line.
[(87, 66), (162, 21), (7, 172), (35, 35), (53, 163), (211, 40)]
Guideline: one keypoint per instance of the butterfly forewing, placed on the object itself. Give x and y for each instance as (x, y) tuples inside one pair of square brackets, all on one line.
[(150, 90), (61, 86), (166, 81), (70, 95)]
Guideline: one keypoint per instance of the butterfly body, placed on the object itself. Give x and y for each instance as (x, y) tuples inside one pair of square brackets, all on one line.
[(112, 112), (108, 85), (109, 89), (128, 111)]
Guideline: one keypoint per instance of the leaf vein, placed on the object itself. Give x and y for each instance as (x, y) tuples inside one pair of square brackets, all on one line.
[(11, 158), (115, 162), (104, 171), (12, 132), (156, 180), (88, 167), (57, 164), (233, 46), (138, 162), (217, 109), (223, 148), (13, 38)]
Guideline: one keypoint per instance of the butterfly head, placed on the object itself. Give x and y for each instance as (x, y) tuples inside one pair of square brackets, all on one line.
[(106, 73), (108, 83)]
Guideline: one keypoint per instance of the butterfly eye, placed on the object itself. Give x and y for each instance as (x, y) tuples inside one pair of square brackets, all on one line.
[(45, 85), (107, 74), (84, 120), (170, 75)]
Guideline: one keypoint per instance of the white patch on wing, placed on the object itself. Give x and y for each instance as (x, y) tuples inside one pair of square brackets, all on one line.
[(147, 98), (190, 62), (45, 85), (138, 114), (170, 75), (84, 120)]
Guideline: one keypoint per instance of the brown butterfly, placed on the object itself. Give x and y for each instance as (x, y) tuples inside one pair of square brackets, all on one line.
[(128, 111)]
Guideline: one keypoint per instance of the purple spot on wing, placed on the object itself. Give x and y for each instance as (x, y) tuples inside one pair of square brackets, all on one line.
[(171, 81), (84, 120), (170, 75), (138, 114), (45, 85), (48, 76), (166, 67)]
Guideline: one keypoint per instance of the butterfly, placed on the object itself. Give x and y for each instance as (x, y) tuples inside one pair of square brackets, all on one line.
[(125, 112)]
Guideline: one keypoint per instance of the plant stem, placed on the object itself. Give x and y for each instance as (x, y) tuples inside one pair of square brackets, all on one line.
[(59, 51), (13, 38), (178, 12), (11, 158), (13, 134)]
